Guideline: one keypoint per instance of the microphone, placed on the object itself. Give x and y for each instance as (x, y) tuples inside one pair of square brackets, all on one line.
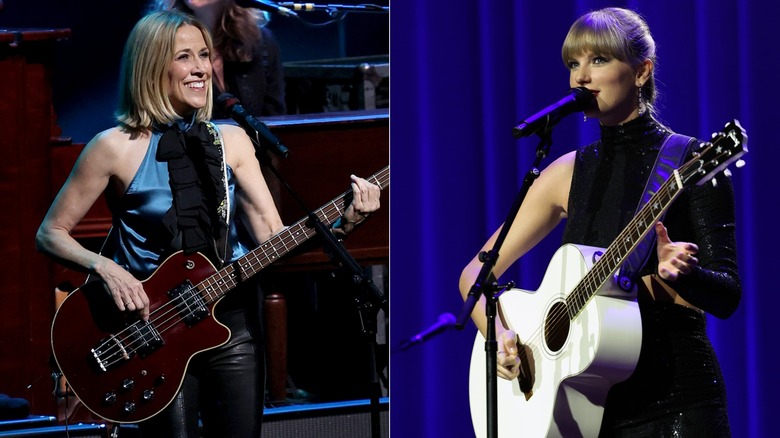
[(446, 321), (577, 99), (265, 5), (255, 128), (308, 7)]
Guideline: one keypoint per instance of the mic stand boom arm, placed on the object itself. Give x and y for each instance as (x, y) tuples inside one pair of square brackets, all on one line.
[(485, 285)]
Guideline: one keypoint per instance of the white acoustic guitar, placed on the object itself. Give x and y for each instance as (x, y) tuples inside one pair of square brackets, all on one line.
[(579, 332)]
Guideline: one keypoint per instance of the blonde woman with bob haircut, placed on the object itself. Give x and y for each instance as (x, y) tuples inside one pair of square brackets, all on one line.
[(175, 181), (143, 94)]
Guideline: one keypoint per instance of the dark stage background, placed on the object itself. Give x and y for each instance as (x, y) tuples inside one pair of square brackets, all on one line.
[(463, 77)]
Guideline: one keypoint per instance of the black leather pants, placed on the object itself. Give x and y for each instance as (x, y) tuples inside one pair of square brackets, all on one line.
[(224, 387)]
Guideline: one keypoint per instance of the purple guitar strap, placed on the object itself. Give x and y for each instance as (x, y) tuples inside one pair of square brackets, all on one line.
[(670, 157)]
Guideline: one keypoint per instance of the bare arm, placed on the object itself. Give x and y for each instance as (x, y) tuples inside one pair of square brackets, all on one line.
[(543, 208), (257, 203), (89, 178), (253, 196)]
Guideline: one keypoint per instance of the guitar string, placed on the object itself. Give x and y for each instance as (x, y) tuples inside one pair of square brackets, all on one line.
[(600, 272), (217, 281), (632, 234), (254, 254), (327, 210), (583, 292), (120, 353), (286, 236), (557, 322), (557, 318), (587, 288)]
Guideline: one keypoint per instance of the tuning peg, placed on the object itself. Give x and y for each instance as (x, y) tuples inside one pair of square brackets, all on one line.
[(714, 181), (740, 164)]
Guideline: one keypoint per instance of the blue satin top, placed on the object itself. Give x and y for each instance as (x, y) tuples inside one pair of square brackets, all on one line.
[(138, 240)]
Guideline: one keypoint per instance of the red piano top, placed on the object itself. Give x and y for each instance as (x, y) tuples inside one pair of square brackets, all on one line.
[(12, 35)]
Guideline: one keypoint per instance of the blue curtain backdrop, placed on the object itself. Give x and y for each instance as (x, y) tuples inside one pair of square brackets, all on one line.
[(463, 74)]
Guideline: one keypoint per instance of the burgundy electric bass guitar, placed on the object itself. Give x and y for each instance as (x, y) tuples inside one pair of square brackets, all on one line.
[(125, 369)]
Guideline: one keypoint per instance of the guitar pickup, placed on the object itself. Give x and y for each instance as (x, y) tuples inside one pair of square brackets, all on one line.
[(189, 303), (144, 338)]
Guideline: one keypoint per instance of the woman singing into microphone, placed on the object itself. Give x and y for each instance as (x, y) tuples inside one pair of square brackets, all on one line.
[(677, 388)]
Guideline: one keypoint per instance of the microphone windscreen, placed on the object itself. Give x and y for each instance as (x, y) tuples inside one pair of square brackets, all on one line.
[(447, 319), (226, 102), (583, 97)]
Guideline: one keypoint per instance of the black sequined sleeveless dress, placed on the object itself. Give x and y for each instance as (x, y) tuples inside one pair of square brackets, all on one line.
[(677, 388)]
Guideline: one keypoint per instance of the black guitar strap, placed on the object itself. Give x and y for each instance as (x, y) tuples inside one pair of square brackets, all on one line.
[(671, 156)]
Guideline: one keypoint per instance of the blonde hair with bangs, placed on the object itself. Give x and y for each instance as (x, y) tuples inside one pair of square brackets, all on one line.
[(619, 33), (143, 84)]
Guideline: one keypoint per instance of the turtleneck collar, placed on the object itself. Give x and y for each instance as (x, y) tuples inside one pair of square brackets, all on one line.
[(641, 135), (184, 124)]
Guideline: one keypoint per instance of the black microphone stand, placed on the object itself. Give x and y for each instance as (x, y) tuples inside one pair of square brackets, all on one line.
[(368, 299), (486, 285)]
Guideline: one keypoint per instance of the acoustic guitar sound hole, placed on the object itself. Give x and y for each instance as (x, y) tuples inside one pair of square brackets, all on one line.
[(556, 326)]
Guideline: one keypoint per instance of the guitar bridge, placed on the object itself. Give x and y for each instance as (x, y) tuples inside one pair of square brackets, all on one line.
[(189, 303), (141, 337), (108, 353)]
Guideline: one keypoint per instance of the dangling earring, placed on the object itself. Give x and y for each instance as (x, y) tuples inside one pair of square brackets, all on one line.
[(584, 118), (642, 104)]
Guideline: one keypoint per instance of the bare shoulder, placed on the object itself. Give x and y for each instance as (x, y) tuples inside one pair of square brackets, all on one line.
[(107, 139), (114, 151), (555, 181), (238, 146), (115, 140), (104, 147), (232, 133), (560, 171), (563, 164)]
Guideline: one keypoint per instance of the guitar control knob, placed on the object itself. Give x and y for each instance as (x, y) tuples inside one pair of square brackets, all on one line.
[(129, 407), (109, 398), (128, 384), (148, 395)]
